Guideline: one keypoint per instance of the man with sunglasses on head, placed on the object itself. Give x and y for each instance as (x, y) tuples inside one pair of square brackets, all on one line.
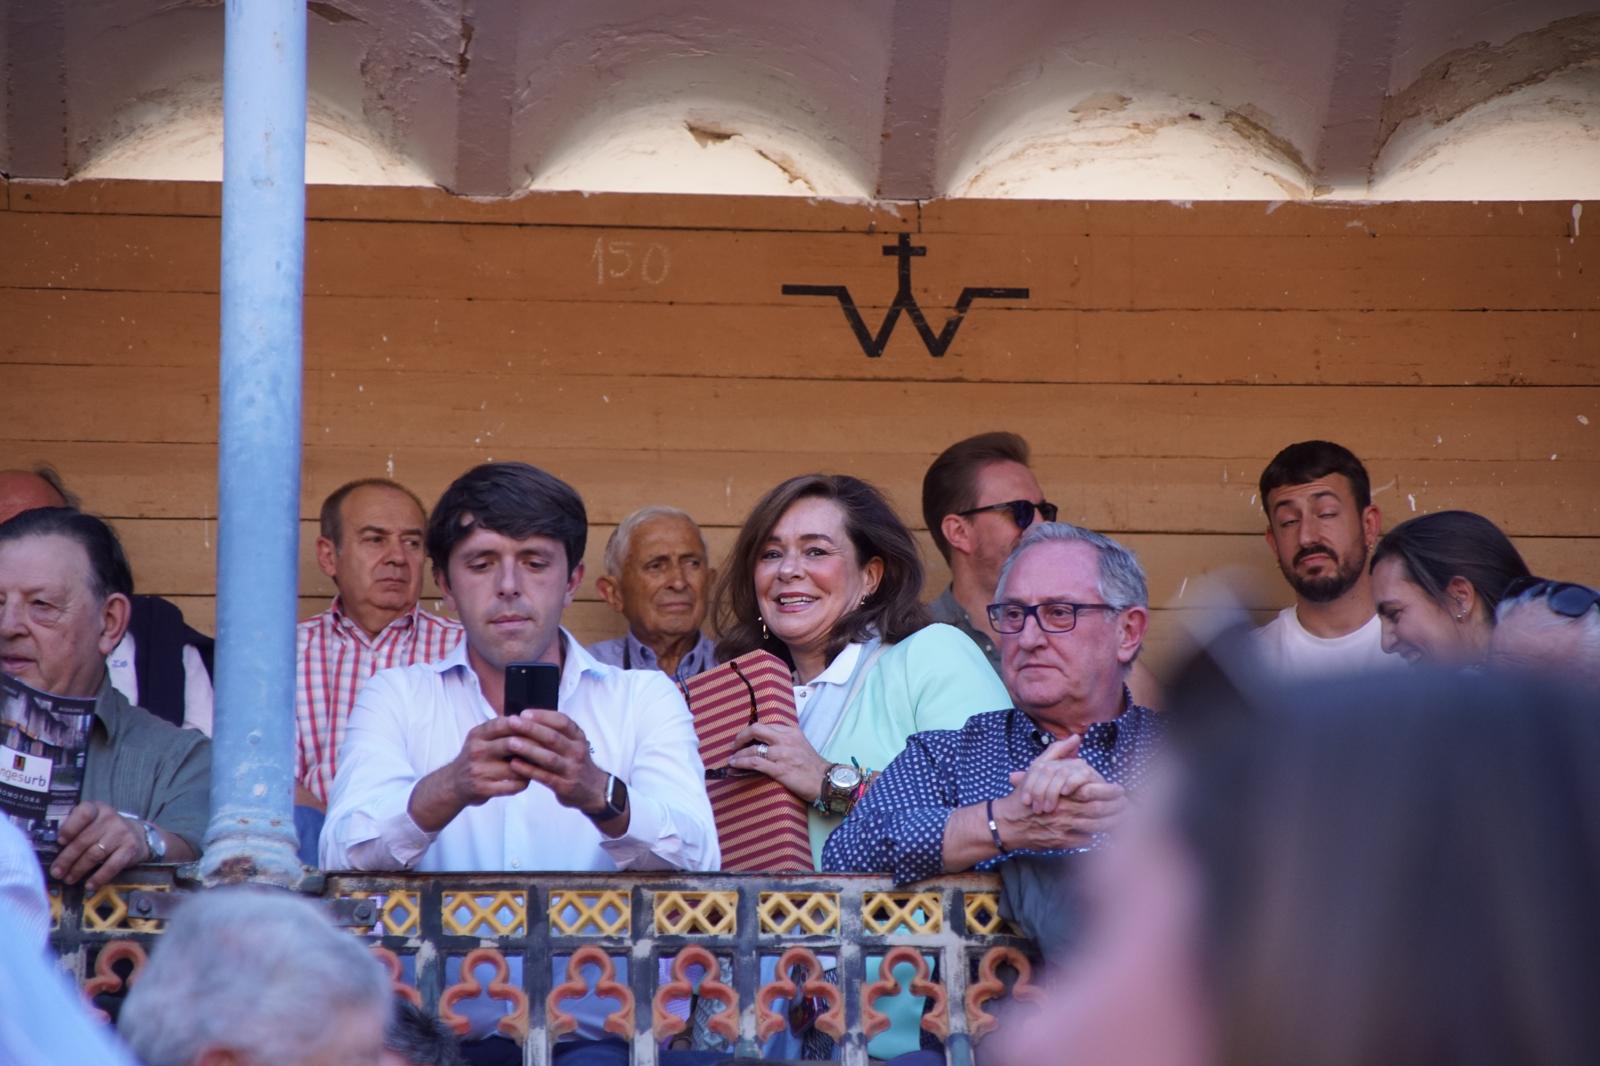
[(1550, 627), (1043, 780)]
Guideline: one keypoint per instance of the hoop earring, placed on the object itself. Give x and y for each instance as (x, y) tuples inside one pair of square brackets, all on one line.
[(765, 636)]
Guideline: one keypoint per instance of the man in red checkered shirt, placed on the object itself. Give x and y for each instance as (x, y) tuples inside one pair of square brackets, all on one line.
[(371, 545)]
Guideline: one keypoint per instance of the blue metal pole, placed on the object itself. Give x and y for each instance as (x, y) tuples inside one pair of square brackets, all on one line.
[(251, 836)]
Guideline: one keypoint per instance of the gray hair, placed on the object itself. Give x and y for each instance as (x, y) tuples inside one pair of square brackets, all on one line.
[(249, 968), (1121, 583), (621, 539)]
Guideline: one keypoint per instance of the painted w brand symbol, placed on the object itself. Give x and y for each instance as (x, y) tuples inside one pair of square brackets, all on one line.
[(936, 343)]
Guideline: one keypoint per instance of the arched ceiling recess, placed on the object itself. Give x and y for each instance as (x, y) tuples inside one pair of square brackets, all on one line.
[(900, 99), (756, 98), (702, 145), (179, 138), (1107, 145), (1216, 99), (1520, 120)]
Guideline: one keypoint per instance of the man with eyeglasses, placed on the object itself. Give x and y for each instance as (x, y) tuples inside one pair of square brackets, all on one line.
[(1550, 627), (1046, 778), (978, 498)]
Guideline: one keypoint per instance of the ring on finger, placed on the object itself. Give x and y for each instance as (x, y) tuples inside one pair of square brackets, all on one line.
[(761, 750), (102, 847)]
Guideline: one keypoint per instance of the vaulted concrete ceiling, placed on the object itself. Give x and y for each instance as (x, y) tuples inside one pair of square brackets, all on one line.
[(894, 98)]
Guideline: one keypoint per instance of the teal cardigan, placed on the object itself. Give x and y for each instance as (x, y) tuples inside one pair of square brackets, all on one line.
[(936, 678)]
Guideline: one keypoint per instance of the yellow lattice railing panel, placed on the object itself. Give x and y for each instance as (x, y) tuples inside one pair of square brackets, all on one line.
[(485, 913), (107, 910), (887, 913), (815, 913), (595, 913), (400, 913), (983, 913), (697, 913), (55, 907)]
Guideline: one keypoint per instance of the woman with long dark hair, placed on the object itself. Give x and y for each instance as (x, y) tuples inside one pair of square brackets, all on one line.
[(1437, 580), (826, 576)]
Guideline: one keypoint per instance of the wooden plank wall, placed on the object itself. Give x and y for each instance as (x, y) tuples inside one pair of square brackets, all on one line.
[(641, 347)]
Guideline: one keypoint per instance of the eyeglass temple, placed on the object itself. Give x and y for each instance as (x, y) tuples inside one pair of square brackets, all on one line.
[(754, 716)]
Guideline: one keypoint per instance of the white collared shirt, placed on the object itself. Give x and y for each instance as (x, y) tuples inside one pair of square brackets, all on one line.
[(411, 720), (820, 703)]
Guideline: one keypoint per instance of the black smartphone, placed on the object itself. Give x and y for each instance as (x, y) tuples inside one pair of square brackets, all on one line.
[(536, 685)]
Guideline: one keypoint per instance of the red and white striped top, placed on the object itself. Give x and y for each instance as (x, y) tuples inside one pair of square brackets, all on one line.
[(334, 657)]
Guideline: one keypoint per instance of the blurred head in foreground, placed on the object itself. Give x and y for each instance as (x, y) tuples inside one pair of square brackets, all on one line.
[(1381, 872), (247, 976), (1552, 626)]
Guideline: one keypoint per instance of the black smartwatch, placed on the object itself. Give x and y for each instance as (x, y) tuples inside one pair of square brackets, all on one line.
[(616, 800)]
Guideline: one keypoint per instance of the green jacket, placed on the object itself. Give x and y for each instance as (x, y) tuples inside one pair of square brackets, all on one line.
[(936, 678)]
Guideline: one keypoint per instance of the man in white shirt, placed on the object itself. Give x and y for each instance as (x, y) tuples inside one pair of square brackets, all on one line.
[(1321, 526), (432, 774)]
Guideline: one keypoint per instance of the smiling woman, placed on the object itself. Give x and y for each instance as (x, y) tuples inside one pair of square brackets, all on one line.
[(1437, 580), (825, 575)]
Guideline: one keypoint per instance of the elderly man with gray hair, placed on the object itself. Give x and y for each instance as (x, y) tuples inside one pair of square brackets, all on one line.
[(1551, 627), (247, 976), (657, 577), (1047, 777)]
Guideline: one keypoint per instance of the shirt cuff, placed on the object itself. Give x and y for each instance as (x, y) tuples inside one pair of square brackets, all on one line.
[(650, 842), (916, 843), (395, 842)]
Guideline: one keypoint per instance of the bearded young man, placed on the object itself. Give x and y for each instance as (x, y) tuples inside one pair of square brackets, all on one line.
[(1321, 526)]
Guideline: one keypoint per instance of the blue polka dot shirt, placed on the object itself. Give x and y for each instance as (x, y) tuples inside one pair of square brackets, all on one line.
[(898, 827)]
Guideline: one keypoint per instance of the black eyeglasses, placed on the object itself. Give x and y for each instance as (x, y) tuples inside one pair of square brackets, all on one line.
[(1053, 616), (1021, 511), (1564, 597)]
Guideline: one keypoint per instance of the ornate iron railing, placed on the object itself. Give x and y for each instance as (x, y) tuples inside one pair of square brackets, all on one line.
[(644, 942)]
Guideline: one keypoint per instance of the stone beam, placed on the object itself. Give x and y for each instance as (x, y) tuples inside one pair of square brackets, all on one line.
[(914, 99), (1353, 131), (35, 64)]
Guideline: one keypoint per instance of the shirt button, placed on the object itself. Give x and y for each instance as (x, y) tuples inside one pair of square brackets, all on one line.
[(516, 864)]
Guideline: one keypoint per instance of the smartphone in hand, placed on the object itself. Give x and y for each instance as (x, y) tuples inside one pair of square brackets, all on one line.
[(536, 685)]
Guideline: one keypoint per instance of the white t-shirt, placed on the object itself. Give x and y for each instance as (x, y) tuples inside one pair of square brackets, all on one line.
[(1288, 648)]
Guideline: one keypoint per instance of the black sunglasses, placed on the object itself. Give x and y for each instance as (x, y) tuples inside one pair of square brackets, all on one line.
[(1565, 598), (1021, 511)]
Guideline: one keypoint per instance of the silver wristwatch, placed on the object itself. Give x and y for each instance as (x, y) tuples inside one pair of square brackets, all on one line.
[(153, 841), (839, 787)]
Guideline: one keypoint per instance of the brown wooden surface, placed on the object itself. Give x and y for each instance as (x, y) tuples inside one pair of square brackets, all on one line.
[(1165, 352), (1249, 347)]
